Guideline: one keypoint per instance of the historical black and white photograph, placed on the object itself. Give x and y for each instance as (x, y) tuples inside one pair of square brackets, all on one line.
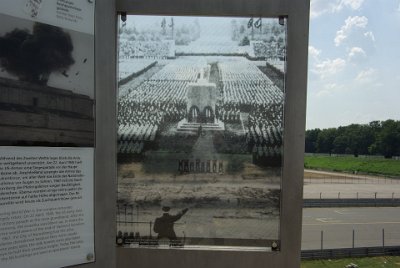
[(200, 130), (46, 85)]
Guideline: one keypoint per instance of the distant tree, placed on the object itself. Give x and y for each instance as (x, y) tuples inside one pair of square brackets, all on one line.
[(375, 125), (276, 29), (172, 26), (267, 28), (366, 137), (242, 29), (325, 140), (164, 26), (245, 41), (33, 57), (341, 145), (388, 139), (360, 137), (379, 138), (182, 35), (311, 140), (234, 30), (196, 29), (353, 139)]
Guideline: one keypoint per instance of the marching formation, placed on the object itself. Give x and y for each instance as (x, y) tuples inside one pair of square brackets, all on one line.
[(141, 49), (243, 89), (181, 70), (251, 92), (246, 89), (241, 69), (132, 138), (158, 100), (127, 68)]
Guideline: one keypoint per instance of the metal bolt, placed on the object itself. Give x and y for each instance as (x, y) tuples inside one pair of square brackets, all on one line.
[(90, 257)]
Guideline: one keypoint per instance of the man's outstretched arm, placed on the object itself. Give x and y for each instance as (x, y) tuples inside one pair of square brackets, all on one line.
[(179, 215)]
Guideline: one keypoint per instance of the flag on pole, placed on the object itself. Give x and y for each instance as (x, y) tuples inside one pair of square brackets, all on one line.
[(258, 23), (250, 23)]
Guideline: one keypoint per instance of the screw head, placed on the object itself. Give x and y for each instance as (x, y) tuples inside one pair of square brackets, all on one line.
[(89, 257)]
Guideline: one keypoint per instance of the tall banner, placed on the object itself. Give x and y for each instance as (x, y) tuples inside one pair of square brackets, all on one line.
[(47, 136)]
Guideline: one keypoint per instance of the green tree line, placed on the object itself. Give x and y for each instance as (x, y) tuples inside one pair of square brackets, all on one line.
[(375, 138)]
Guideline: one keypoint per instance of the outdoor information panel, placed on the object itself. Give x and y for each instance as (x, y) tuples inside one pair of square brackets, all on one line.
[(46, 133), (209, 140), (200, 131)]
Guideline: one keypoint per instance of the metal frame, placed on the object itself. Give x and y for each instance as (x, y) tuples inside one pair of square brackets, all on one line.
[(105, 149), (297, 12)]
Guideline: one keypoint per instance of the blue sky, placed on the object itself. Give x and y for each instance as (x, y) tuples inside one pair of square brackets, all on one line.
[(354, 62)]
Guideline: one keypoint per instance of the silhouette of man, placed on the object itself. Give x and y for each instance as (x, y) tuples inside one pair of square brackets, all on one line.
[(164, 225)]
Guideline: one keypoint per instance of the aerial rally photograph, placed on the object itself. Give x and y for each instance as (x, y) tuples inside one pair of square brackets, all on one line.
[(200, 131)]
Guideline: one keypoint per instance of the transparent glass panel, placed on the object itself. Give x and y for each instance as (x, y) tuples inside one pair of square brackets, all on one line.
[(200, 125)]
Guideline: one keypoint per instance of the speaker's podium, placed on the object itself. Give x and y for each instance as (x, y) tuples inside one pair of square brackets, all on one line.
[(201, 107)]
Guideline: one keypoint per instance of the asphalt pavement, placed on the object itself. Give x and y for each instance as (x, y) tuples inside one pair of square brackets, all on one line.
[(372, 227)]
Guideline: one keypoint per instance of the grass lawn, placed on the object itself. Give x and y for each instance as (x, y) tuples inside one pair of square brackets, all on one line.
[(372, 262), (380, 166)]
